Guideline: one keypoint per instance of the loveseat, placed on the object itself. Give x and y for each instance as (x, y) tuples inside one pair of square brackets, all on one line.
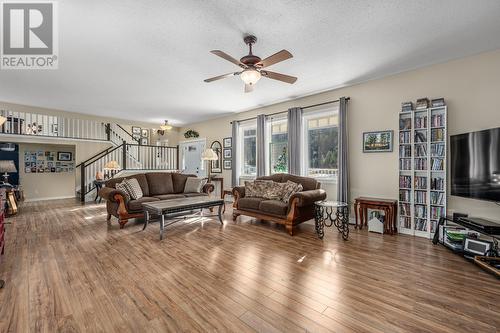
[(298, 209), (155, 186)]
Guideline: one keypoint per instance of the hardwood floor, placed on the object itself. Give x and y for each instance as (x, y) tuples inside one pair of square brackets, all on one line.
[(67, 270)]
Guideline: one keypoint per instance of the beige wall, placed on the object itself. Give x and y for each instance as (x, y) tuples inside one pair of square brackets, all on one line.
[(470, 87), (41, 186)]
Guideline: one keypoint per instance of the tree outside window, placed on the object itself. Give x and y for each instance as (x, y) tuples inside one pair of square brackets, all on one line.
[(322, 145)]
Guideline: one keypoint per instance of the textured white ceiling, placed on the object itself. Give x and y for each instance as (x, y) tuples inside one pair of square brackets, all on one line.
[(146, 60)]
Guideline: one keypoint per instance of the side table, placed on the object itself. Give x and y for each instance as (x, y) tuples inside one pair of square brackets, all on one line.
[(389, 206), (329, 213)]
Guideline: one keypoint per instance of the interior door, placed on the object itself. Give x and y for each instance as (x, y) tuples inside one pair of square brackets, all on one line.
[(191, 162)]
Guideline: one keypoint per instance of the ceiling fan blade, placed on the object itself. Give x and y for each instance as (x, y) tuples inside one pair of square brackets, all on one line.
[(227, 57), (248, 88), (279, 76), (275, 58), (215, 78)]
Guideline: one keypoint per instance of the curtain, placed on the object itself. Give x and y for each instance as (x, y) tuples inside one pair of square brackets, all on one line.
[(261, 145), (343, 170), (235, 174), (295, 141)]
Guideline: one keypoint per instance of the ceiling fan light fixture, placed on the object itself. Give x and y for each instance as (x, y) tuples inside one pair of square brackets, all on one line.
[(165, 126), (250, 76)]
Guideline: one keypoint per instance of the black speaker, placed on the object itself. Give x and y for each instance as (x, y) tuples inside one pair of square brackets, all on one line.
[(456, 216)]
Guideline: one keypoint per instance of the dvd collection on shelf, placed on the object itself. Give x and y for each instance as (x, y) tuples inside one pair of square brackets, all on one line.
[(422, 160)]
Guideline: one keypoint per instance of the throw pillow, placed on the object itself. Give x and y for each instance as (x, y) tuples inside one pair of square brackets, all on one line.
[(194, 185), (121, 186), (133, 188), (273, 191), (289, 189), (256, 188)]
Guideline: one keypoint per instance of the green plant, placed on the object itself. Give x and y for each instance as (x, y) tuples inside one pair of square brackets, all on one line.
[(191, 134)]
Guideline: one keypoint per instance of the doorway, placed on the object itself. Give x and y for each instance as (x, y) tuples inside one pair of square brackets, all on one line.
[(190, 157)]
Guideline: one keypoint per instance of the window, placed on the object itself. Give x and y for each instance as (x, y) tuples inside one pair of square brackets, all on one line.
[(278, 141), (321, 144), (248, 150)]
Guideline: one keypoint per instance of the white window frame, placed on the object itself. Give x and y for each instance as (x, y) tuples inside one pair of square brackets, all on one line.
[(272, 120), (243, 126), (305, 144)]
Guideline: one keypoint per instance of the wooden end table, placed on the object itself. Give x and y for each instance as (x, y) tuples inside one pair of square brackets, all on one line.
[(389, 206)]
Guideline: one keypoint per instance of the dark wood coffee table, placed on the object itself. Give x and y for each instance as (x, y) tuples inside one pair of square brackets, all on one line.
[(176, 210)]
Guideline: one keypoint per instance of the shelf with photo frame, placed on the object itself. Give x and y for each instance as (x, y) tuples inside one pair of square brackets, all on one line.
[(422, 170)]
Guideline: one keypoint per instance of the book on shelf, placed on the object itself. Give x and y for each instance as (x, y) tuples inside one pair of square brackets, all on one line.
[(437, 212), (420, 182), (437, 163), (422, 104), (404, 195), (405, 181), (420, 197), (421, 164), (420, 224), (405, 123), (405, 222), (420, 137), (437, 120), (404, 151), (404, 164), (421, 122), (421, 151), (404, 209), (404, 137), (420, 211), (438, 102), (437, 134), (406, 106), (437, 149), (437, 198), (437, 184)]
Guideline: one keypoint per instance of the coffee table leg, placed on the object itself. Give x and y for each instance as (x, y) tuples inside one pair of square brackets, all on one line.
[(162, 226), (220, 213), (146, 220)]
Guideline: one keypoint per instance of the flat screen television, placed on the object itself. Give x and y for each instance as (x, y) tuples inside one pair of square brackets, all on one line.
[(475, 165)]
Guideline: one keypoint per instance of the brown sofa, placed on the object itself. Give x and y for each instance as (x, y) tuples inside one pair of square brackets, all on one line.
[(300, 208), (155, 186)]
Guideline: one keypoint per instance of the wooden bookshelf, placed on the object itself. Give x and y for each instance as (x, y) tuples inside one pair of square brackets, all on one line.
[(422, 170)]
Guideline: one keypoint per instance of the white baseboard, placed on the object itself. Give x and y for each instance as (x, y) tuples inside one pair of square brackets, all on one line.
[(49, 198)]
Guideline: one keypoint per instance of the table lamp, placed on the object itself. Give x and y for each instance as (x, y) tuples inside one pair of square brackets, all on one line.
[(113, 167), (6, 167), (208, 155)]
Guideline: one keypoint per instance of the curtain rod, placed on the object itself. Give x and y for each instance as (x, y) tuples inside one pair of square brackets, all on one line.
[(304, 107)]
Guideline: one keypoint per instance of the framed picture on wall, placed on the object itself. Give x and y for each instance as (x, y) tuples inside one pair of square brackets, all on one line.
[(64, 156), (136, 137), (227, 165), (136, 130), (228, 153), (144, 132), (378, 141), (144, 141), (228, 142)]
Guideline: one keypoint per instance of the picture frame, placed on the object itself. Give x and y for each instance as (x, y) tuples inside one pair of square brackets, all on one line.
[(378, 141), (136, 130), (136, 137), (144, 133), (144, 141), (227, 142), (228, 164), (64, 156), (228, 153)]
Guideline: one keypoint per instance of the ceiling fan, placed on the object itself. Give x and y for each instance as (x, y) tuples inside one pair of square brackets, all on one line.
[(253, 66)]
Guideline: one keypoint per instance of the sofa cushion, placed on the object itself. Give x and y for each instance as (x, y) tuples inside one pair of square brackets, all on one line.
[(141, 178), (194, 185), (160, 183), (169, 196), (249, 203), (136, 205), (274, 207), (190, 195), (179, 181)]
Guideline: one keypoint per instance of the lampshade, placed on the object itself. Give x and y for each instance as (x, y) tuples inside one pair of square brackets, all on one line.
[(112, 165), (7, 166), (250, 76), (165, 126), (209, 155), (2, 120)]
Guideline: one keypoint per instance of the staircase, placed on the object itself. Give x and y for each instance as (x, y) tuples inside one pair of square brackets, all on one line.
[(129, 155)]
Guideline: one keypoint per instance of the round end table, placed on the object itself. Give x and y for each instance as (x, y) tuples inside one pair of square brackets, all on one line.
[(331, 213)]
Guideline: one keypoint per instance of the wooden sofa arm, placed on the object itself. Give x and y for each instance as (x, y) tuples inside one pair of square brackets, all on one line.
[(208, 188)]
